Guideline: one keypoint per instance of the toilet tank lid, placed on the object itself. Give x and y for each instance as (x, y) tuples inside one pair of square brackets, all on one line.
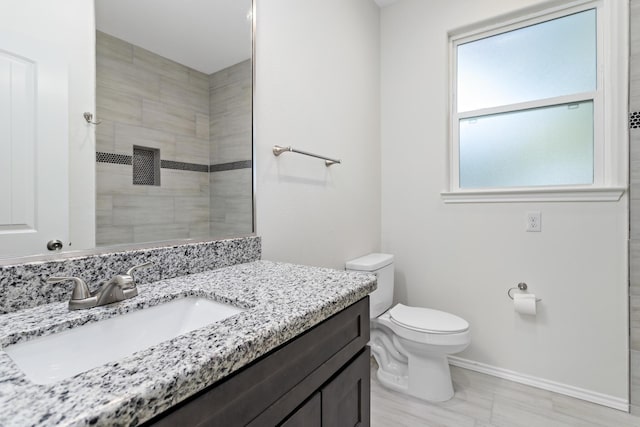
[(369, 262)]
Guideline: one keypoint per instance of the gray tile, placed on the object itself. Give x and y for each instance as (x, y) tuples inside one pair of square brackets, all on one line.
[(389, 409), (199, 230), (634, 312), (231, 202), (104, 210), (202, 127), (126, 136), (184, 95), (192, 150), (231, 148), (181, 183), (634, 266), (634, 218), (110, 47), (168, 118), (634, 60), (490, 401), (230, 112), (586, 412), (118, 106), (240, 72), (634, 27), (230, 98), (143, 210), (634, 143), (106, 136), (192, 209), (153, 63), (111, 235), (156, 233), (125, 77), (512, 413), (634, 189), (634, 381), (114, 179), (199, 80), (150, 101)]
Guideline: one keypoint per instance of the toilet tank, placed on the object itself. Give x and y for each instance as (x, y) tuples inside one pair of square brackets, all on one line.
[(381, 265)]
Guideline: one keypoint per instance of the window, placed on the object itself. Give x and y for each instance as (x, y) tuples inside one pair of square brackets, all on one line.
[(527, 105)]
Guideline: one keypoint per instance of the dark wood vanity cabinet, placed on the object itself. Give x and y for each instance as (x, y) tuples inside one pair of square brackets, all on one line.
[(320, 378)]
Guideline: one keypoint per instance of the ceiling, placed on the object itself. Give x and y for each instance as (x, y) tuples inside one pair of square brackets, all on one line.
[(206, 35)]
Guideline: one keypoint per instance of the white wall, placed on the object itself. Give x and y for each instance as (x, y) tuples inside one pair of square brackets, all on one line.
[(69, 26), (317, 89), (463, 258)]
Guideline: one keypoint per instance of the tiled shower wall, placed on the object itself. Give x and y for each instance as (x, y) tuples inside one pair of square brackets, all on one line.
[(231, 128), (634, 244), (148, 101)]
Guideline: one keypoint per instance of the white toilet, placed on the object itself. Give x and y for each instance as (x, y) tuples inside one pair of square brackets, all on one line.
[(410, 344)]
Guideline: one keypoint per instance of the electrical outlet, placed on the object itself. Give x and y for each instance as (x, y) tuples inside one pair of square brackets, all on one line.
[(534, 223)]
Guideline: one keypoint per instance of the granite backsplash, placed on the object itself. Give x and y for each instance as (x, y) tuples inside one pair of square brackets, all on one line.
[(23, 285)]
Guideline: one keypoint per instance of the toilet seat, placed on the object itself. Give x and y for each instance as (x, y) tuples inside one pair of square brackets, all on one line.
[(427, 320)]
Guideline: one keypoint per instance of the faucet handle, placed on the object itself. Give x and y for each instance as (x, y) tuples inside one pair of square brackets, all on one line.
[(136, 267), (80, 288), (131, 283)]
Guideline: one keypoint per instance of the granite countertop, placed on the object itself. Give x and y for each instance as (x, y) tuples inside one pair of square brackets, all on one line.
[(282, 301)]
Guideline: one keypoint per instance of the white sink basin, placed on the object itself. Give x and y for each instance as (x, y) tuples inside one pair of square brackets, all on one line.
[(51, 358)]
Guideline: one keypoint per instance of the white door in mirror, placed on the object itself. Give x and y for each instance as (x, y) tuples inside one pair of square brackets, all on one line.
[(33, 145)]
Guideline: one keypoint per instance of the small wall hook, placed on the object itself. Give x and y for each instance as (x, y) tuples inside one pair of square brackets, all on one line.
[(89, 118)]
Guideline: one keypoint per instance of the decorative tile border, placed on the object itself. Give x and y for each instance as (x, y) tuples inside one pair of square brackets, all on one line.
[(123, 159), (243, 164), (183, 166), (117, 159), (23, 285)]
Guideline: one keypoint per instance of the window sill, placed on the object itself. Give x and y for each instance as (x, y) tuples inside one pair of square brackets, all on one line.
[(601, 194)]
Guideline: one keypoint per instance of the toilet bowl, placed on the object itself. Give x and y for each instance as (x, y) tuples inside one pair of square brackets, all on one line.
[(424, 347), (410, 344)]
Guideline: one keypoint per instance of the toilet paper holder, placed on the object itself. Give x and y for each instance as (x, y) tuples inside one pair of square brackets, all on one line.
[(522, 287)]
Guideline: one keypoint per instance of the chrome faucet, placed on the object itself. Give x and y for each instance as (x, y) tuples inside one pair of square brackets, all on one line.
[(120, 287)]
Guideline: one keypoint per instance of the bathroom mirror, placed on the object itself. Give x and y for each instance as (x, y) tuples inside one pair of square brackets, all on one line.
[(172, 122)]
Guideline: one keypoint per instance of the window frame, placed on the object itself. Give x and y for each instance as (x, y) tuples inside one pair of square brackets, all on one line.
[(607, 185)]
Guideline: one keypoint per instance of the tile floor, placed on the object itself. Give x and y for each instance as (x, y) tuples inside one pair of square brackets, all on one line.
[(485, 401)]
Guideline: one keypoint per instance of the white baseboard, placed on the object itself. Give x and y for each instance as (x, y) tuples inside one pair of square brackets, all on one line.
[(569, 390)]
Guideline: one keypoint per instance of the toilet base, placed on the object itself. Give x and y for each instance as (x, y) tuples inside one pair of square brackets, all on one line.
[(414, 368), (430, 379)]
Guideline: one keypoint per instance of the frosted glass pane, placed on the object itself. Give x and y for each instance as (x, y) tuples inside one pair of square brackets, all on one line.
[(545, 60), (542, 146)]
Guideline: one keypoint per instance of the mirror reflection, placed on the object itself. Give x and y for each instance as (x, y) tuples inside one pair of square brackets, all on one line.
[(174, 98)]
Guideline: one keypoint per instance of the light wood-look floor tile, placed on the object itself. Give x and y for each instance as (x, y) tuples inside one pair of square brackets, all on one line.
[(485, 401)]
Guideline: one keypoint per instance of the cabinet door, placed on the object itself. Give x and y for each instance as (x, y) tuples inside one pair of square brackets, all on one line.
[(308, 415), (346, 399)]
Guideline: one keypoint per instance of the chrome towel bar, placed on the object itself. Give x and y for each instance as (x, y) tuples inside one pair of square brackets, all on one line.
[(277, 150)]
